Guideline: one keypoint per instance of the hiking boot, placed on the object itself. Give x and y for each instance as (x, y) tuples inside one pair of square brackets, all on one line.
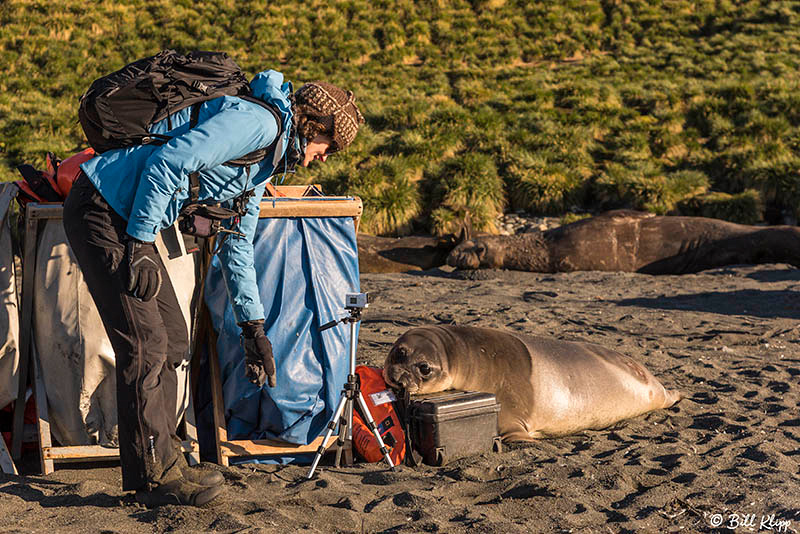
[(172, 488), (198, 476)]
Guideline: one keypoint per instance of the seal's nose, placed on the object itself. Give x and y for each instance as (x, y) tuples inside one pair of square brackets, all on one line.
[(463, 258), (452, 259), (395, 378)]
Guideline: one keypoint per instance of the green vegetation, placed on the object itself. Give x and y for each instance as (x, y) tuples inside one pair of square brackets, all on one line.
[(472, 107)]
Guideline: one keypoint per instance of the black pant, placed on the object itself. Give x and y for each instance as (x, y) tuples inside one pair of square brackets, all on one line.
[(149, 338)]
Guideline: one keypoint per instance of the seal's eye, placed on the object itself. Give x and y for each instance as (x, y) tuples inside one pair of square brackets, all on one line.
[(424, 369)]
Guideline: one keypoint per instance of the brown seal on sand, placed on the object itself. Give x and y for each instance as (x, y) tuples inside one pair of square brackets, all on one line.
[(545, 387), (631, 241)]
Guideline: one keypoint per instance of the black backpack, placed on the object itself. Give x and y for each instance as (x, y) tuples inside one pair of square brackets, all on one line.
[(119, 109)]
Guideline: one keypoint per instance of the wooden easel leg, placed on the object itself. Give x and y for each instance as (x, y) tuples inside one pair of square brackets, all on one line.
[(220, 428), (45, 443), (190, 427), (25, 331), (7, 193), (6, 463)]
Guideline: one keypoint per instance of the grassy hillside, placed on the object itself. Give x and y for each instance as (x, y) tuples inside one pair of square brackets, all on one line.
[(472, 107)]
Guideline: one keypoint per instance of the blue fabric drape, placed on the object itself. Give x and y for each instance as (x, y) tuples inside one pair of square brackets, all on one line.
[(304, 268)]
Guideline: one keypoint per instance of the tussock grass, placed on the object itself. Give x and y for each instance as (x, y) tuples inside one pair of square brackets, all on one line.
[(466, 187), (472, 107), (742, 208), (388, 187)]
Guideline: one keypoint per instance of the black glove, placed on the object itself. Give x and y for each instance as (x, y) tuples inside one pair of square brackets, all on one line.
[(143, 269), (258, 360)]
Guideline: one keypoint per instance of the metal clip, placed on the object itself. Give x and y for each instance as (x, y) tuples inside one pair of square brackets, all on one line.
[(234, 232)]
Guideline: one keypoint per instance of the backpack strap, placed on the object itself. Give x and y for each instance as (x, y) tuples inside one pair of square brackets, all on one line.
[(256, 155), (194, 115), (39, 184), (260, 153), (245, 161)]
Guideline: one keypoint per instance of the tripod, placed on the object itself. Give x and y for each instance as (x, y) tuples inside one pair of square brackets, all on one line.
[(350, 393)]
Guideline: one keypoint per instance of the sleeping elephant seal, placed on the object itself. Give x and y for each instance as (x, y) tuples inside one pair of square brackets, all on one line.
[(632, 241), (545, 387)]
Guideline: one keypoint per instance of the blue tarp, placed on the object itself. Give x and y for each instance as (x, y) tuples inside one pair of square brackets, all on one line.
[(304, 268)]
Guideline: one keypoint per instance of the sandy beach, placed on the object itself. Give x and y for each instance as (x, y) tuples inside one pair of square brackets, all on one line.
[(725, 459)]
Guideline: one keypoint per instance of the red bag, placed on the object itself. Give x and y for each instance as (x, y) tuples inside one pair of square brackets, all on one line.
[(53, 184), (379, 399), (30, 419)]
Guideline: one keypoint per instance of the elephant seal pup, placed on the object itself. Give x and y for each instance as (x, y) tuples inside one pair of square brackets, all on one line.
[(546, 387), (632, 241)]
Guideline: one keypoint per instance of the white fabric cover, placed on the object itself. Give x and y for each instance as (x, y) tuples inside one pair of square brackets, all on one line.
[(77, 361), (9, 310)]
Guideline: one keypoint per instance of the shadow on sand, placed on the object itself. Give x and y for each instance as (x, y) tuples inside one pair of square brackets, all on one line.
[(751, 302)]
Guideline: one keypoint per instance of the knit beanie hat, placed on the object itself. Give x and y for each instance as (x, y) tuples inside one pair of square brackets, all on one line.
[(323, 108)]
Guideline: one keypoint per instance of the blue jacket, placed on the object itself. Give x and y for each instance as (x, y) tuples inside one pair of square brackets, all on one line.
[(148, 185)]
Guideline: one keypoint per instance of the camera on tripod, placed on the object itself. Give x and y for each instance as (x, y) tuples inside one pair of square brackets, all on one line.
[(356, 301), (351, 394)]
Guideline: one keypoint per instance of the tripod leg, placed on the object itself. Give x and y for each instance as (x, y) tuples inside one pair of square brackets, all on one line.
[(347, 446), (371, 424), (331, 425), (342, 438)]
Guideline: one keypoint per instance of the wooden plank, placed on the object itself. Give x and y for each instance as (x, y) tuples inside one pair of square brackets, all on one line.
[(266, 447), (80, 453), (191, 446), (311, 208), (43, 418), (26, 327), (217, 401), (197, 331), (296, 191), (6, 463), (7, 193), (45, 210), (190, 427), (85, 453)]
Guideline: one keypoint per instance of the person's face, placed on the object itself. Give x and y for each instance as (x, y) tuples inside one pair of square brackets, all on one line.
[(317, 149)]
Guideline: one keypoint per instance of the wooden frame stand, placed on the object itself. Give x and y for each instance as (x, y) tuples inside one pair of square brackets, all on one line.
[(281, 202), (49, 455), (7, 193)]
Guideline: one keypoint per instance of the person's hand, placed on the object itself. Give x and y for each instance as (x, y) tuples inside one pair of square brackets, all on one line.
[(143, 271), (258, 360)]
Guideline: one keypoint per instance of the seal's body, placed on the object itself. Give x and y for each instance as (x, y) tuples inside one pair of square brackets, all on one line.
[(631, 241), (545, 387)]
